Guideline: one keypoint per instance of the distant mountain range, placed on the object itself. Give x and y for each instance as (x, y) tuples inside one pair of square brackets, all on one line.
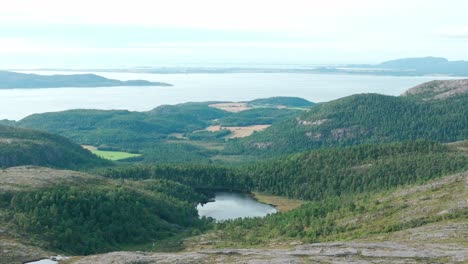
[(11, 80), (400, 67), (415, 66)]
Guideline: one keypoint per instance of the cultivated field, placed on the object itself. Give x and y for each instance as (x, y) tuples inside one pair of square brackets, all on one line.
[(110, 155), (238, 132), (232, 107)]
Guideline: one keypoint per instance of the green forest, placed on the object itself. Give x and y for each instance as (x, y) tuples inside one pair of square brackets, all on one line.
[(363, 118), (85, 219), (341, 158), (29, 147)]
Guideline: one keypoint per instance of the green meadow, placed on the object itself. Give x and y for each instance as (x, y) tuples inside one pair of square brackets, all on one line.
[(114, 155)]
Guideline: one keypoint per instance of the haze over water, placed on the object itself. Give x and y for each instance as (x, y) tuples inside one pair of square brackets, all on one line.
[(19, 103)]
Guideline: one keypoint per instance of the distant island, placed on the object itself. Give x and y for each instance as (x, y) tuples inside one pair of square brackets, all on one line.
[(406, 67), (15, 80), (401, 67)]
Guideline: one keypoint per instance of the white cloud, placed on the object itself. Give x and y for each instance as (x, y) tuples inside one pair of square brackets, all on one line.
[(316, 15), (339, 30), (452, 32)]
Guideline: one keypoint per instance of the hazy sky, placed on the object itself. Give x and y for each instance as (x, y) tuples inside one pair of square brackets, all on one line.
[(118, 33)]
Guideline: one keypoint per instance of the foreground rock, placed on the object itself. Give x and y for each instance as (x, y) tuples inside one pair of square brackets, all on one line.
[(351, 252)]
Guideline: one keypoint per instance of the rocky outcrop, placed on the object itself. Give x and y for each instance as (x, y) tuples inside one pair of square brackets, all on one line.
[(441, 89), (349, 252)]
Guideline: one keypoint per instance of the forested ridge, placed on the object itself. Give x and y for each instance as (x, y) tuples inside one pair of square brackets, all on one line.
[(334, 172), (90, 218), (29, 147), (124, 129), (317, 174), (137, 131), (363, 118)]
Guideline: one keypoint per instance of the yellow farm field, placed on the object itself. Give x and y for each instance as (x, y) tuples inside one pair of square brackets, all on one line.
[(239, 132), (232, 107)]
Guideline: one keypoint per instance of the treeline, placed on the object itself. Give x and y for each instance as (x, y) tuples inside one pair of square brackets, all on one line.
[(316, 174), (258, 116), (281, 101), (334, 172), (199, 176), (364, 118), (95, 218), (174, 153)]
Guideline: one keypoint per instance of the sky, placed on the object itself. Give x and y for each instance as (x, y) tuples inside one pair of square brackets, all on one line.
[(152, 33)]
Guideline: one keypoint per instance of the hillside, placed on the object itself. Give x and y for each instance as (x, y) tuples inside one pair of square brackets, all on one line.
[(124, 129), (77, 213), (168, 133), (416, 224), (439, 89), (363, 118), (281, 101), (11, 80), (318, 174), (138, 207), (28, 147)]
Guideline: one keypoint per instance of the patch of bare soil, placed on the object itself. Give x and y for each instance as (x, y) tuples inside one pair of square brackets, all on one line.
[(232, 107), (238, 132), (89, 147), (17, 178)]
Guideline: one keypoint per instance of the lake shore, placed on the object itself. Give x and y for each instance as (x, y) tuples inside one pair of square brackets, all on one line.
[(282, 204)]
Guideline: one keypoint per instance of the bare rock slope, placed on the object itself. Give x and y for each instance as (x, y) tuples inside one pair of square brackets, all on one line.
[(440, 89)]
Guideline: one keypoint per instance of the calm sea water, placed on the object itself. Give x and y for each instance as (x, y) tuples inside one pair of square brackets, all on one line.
[(231, 205), (18, 103)]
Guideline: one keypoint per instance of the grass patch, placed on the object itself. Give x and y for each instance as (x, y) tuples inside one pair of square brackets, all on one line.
[(283, 204), (114, 155)]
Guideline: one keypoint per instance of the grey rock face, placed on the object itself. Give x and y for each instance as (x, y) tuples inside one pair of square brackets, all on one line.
[(346, 252)]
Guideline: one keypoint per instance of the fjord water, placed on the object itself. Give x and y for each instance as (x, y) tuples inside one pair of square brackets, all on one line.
[(18, 103), (232, 205)]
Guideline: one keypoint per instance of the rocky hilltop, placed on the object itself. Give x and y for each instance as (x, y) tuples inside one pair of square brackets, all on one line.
[(440, 89)]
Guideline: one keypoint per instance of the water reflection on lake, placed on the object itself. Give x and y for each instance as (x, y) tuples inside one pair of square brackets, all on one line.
[(231, 205)]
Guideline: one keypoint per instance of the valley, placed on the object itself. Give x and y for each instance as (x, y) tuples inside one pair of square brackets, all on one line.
[(233, 132), (365, 178)]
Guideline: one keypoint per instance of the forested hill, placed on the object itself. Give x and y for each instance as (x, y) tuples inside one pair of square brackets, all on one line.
[(29, 147), (362, 118), (77, 213), (10, 80), (316, 174), (281, 101), (125, 129), (137, 130)]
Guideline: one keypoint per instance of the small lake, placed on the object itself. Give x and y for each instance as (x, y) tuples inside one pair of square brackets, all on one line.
[(232, 205), (43, 261)]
